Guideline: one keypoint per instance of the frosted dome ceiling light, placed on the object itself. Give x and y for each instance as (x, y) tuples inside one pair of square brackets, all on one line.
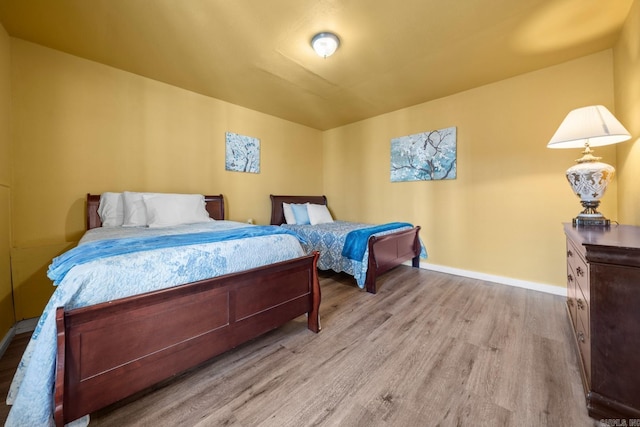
[(325, 44)]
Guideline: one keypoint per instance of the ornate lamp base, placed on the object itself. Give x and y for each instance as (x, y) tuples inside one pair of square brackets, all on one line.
[(589, 180), (590, 217), (591, 222)]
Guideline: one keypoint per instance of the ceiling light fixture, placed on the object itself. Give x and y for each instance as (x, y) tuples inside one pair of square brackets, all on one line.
[(325, 44)]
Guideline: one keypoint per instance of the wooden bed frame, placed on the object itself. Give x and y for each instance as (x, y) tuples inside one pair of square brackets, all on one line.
[(112, 350), (385, 252)]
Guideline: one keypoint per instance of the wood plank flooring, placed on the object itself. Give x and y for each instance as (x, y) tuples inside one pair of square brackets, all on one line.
[(430, 349), (8, 365)]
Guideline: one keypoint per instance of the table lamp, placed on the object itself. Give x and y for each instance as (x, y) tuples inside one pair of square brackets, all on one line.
[(588, 127)]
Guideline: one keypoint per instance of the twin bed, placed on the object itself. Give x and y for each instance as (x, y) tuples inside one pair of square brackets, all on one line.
[(103, 337), (383, 246), (136, 305)]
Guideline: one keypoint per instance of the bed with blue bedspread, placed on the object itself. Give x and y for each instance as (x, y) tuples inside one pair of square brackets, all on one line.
[(136, 305), (361, 250)]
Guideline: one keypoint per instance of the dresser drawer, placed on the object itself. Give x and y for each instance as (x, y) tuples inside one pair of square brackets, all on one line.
[(582, 332), (578, 272), (571, 294), (578, 301), (583, 295), (577, 279), (604, 263)]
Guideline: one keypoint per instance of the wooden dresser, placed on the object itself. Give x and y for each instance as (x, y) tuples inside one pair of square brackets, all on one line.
[(603, 301)]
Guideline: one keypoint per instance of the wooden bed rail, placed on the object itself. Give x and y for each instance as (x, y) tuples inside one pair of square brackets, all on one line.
[(112, 350), (385, 252), (390, 250)]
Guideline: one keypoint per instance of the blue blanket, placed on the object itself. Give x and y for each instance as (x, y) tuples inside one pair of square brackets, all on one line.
[(108, 278), (90, 251), (356, 241)]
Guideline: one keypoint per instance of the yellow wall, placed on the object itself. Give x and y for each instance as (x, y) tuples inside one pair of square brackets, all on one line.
[(502, 215), (627, 96), (80, 127), (7, 318)]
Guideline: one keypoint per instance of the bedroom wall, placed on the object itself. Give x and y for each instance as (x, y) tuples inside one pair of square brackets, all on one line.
[(80, 127), (7, 318), (503, 214), (626, 54)]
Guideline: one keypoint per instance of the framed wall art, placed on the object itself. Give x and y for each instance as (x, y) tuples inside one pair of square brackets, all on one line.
[(424, 156), (242, 153)]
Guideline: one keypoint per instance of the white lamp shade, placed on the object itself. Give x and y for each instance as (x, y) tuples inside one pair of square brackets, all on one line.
[(594, 126), (325, 44)]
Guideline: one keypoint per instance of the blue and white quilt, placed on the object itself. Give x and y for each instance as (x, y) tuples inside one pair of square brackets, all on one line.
[(340, 253), (95, 272)]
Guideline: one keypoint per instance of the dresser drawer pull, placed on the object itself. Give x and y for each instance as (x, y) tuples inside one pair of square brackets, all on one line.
[(569, 253), (580, 271), (570, 302), (581, 336), (580, 304), (569, 278)]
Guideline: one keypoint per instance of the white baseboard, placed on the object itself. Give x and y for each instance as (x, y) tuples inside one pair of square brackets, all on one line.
[(4, 344), (21, 327), (550, 289), (27, 325)]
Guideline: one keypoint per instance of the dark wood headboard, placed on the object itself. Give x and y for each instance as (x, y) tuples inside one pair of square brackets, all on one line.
[(214, 205), (277, 214)]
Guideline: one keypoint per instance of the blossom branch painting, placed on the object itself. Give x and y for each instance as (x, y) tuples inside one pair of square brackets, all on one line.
[(424, 156), (243, 153)]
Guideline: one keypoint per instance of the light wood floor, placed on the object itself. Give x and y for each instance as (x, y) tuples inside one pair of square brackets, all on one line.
[(430, 349)]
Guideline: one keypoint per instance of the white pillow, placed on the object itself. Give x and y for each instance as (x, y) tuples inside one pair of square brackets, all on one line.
[(111, 209), (288, 213), (166, 210), (318, 214), (135, 212)]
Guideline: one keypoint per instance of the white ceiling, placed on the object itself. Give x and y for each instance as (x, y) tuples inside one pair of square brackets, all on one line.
[(256, 53)]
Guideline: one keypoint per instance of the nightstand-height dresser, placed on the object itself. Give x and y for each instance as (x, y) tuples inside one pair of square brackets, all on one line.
[(603, 301)]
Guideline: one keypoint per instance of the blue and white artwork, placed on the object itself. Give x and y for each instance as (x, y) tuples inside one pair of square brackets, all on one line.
[(243, 153), (424, 156)]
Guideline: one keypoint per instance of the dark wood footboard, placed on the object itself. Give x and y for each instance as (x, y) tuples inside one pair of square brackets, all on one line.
[(391, 250), (109, 351), (385, 252)]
